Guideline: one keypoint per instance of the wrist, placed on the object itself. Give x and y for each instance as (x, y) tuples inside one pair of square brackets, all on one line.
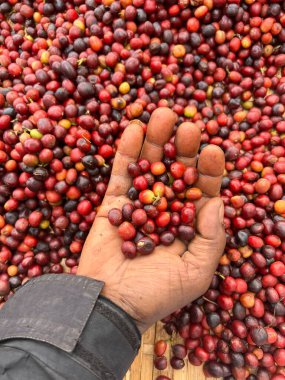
[(120, 302), (125, 306)]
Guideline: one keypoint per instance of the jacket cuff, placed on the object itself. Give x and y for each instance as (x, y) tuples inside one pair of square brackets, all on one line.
[(110, 339), (52, 308), (65, 311)]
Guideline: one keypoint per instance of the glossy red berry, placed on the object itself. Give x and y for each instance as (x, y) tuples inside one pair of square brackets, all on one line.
[(115, 217), (127, 231), (177, 170)]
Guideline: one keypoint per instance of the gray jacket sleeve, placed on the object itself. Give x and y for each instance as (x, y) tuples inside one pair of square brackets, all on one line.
[(59, 327)]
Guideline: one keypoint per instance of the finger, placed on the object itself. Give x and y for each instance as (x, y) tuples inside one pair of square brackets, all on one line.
[(128, 151), (187, 142), (208, 245), (211, 165), (159, 131)]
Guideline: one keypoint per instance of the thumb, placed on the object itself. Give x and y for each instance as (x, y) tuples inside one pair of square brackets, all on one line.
[(210, 220), (209, 242)]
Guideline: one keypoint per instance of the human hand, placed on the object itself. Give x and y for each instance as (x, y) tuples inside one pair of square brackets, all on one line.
[(151, 287)]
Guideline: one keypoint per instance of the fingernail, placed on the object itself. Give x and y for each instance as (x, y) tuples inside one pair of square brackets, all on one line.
[(136, 121)]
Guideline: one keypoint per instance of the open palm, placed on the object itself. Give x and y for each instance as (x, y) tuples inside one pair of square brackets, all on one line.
[(150, 287)]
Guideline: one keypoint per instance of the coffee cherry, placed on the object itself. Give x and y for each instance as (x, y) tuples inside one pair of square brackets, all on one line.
[(186, 233), (167, 238), (259, 335), (115, 217), (160, 363), (126, 231), (157, 168), (127, 211), (187, 215), (158, 189), (177, 169), (144, 165), (193, 194), (279, 357), (179, 351), (134, 169), (129, 249), (190, 176), (147, 197), (160, 347), (4, 288), (139, 217), (140, 183), (145, 246), (177, 363)]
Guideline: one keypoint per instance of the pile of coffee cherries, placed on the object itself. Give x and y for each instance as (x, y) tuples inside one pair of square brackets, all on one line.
[(162, 206), (73, 73)]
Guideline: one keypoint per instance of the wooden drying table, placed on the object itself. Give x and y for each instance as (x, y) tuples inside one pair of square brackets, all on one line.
[(143, 369)]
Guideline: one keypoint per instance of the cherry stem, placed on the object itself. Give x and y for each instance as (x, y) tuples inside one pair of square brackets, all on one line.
[(207, 299), (220, 275), (156, 200)]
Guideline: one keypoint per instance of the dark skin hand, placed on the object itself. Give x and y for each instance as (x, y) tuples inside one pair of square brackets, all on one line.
[(151, 287)]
